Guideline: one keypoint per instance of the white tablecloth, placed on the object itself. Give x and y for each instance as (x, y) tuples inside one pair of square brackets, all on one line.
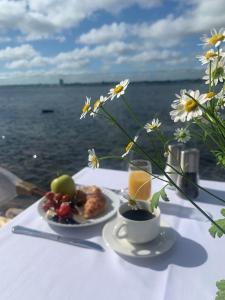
[(38, 269)]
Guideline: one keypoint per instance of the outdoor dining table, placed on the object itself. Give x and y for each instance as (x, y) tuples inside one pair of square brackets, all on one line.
[(38, 269)]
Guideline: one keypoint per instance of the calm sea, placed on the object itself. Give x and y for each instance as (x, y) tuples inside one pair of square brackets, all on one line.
[(60, 140)]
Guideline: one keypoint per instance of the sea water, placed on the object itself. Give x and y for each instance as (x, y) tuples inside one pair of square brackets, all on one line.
[(38, 147)]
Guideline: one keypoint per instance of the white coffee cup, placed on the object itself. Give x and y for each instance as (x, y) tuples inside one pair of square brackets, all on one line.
[(134, 231)]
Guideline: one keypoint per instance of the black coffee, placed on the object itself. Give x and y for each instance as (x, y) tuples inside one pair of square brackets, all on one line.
[(138, 215)]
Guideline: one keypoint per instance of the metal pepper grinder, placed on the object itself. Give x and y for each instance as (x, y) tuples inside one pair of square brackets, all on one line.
[(188, 181), (173, 162)]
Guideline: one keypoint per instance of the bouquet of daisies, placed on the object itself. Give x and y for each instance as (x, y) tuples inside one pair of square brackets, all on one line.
[(204, 110)]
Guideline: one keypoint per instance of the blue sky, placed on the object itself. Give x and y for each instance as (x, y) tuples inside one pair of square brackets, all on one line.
[(94, 40)]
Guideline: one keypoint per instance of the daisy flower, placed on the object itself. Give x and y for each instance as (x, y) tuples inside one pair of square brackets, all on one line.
[(216, 38), (86, 108), (98, 103), (155, 124), (129, 146), (93, 161), (182, 135), (217, 72), (119, 89), (209, 96), (187, 108), (209, 56)]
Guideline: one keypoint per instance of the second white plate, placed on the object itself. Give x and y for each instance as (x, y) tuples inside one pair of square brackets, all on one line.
[(158, 246)]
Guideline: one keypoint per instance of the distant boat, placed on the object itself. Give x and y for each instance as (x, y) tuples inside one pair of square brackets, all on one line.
[(47, 111)]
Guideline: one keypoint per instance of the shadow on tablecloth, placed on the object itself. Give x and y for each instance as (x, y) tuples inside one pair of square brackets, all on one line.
[(186, 253), (191, 213), (204, 197)]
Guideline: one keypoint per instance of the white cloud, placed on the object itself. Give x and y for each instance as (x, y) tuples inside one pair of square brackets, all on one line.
[(17, 53), (150, 56), (109, 46), (37, 61), (72, 66), (105, 33), (38, 19), (166, 32)]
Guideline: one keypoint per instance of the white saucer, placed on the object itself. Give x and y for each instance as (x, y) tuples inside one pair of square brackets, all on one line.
[(158, 246)]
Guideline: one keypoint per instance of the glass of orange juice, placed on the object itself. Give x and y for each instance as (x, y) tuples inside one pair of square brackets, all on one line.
[(139, 179)]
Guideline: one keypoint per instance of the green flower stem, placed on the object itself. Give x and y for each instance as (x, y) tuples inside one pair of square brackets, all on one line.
[(210, 71), (110, 157), (132, 114), (150, 173), (100, 115), (166, 175), (123, 158), (134, 117), (211, 137), (129, 109), (161, 137)]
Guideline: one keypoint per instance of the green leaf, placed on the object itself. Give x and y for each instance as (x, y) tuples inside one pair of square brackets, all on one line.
[(214, 230), (156, 197), (221, 285), (164, 195), (220, 295), (223, 212), (155, 200)]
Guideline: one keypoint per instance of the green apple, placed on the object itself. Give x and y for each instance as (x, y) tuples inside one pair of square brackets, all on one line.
[(63, 184)]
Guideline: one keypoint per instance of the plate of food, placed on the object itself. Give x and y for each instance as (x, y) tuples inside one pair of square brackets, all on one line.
[(68, 205)]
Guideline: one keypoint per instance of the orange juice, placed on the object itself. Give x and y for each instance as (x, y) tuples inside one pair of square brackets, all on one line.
[(139, 185)]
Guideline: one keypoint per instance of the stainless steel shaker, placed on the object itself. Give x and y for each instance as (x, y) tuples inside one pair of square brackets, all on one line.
[(173, 162), (188, 180)]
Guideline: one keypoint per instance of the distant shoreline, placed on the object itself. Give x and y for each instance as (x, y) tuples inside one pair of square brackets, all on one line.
[(101, 83)]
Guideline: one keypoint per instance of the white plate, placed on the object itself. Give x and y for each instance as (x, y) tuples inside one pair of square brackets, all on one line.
[(158, 246), (112, 203)]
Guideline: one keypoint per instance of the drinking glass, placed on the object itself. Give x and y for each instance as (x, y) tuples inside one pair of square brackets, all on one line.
[(139, 179)]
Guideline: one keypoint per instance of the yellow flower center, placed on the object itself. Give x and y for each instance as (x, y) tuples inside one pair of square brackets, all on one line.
[(210, 95), (210, 54), (94, 161), (152, 126), (216, 38), (129, 146), (190, 105), (97, 104), (86, 107), (118, 89)]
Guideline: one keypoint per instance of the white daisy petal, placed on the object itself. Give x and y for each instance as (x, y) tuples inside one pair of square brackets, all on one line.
[(86, 108), (129, 146), (93, 161), (186, 107), (119, 89), (154, 125), (216, 38)]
